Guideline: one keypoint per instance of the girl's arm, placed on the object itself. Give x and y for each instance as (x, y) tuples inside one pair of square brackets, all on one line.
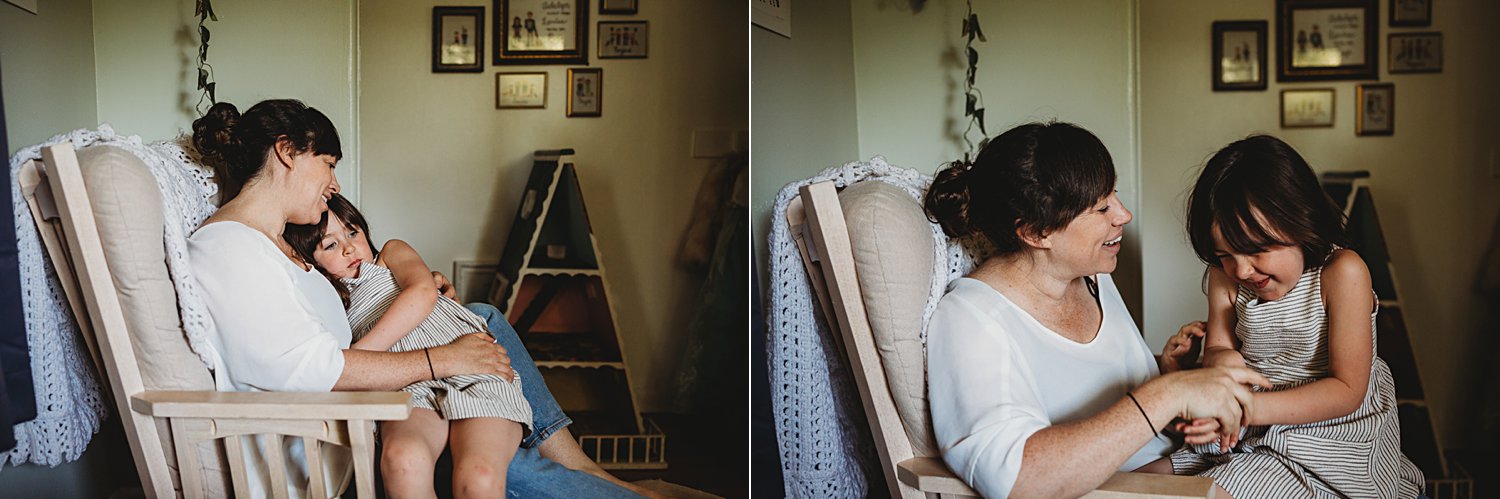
[(1220, 348), (1349, 302), (412, 306)]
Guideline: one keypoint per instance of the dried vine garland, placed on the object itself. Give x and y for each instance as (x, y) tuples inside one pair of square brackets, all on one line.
[(205, 12), (973, 98)]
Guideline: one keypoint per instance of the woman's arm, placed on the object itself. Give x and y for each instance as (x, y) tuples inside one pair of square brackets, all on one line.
[(413, 304), (1220, 348), (1349, 302), (474, 353)]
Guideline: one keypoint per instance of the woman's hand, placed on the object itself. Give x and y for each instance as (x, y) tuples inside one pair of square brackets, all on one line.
[(473, 353), (444, 287), (1219, 393), (1178, 353)]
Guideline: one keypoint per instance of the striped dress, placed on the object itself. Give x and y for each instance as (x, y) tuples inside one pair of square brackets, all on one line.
[(454, 397), (1358, 455)]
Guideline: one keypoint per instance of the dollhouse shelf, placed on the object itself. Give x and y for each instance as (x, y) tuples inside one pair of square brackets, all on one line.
[(553, 288)]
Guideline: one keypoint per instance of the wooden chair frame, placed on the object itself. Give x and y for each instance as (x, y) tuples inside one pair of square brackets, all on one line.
[(339, 418), (828, 255)]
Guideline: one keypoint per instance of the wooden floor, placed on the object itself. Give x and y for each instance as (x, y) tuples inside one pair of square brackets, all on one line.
[(703, 453)]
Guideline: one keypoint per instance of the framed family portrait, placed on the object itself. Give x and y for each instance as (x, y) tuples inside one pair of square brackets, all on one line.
[(1239, 55), (1326, 40), (619, 6), (585, 92), (1307, 108), (520, 90), (541, 32), (1375, 112), (623, 39), (1415, 52), (457, 39), (1411, 13)]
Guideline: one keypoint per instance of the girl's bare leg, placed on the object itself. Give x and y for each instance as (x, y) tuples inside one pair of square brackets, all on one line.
[(409, 453), (482, 450)]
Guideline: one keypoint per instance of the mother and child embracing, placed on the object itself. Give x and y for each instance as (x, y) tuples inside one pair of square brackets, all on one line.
[(1040, 384), (302, 301)]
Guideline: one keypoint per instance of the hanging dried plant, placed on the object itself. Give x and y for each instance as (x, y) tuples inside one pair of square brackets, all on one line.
[(205, 12), (973, 98)]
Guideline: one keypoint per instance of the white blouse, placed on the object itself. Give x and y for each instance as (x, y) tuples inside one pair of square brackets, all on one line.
[(996, 376)]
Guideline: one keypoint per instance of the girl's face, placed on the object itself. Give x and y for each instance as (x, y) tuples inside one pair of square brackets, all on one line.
[(1270, 272), (1090, 244), (314, 181), (342, 249)]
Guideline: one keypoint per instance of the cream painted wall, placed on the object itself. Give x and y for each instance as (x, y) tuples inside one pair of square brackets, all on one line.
[(48, 61), (444, 169), (804, 107), (909, 68), (1432, 180), (147, 57)]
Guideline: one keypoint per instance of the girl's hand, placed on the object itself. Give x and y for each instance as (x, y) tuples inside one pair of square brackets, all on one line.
[(1199, 431), (1219, 393), (1178, 353)]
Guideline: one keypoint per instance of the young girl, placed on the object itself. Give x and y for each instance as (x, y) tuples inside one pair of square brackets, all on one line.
[(1287, 299), (394, 305)]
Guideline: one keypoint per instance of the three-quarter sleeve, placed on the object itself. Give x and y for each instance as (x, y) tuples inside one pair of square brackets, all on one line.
[(268, 337), (983, 397)]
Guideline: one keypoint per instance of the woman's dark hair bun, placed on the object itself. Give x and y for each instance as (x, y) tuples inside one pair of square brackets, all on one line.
[(213, 136), (947, 199)]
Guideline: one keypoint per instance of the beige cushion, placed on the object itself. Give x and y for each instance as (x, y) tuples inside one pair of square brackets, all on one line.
[(893, 253), (128, 210)]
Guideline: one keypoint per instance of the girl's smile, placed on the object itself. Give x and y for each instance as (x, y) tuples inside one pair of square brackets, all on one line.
[(1271, 271)]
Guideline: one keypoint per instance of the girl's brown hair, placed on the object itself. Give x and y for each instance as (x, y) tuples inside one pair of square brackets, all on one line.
[(305, 239)]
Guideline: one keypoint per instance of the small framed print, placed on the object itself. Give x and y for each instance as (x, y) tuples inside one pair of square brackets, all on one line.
[(623, 40), (1307, 108), (520, 90), (585, 92), (530, 32), (457, 39), (1376, 109), (618, 6), (1415, 52), (1239, 55), (1320, 40), (1407, 13)]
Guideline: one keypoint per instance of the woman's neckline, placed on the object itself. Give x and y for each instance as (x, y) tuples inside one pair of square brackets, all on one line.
[(304, 267), (1098, 301)]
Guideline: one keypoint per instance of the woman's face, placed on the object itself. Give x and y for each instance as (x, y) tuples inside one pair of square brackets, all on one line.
[(342, 249), (313, 182), (1090, 244)]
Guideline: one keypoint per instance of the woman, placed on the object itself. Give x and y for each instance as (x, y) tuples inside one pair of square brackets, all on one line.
[(281, 326), (1041, 385)]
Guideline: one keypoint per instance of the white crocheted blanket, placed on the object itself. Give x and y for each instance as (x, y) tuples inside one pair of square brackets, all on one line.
[(824, 449), (68, 404)]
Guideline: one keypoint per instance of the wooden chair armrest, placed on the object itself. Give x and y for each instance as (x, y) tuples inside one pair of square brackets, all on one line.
[(371, 406), (933, 476)]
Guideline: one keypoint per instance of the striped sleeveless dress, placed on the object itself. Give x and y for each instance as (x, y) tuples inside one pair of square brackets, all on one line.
[(1358, 455), (454, 397)]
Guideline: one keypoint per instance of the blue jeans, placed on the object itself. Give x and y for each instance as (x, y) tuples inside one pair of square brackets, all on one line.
[(530, 474)]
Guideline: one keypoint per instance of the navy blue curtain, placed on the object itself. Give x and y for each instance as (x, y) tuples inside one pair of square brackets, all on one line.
[(17, 400)]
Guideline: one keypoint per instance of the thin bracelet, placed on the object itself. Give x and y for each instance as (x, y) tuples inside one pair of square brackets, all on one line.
[(434, 373), (1143, 413)]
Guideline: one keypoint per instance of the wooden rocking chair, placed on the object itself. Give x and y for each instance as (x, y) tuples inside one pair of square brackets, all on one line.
[(101, 222), (870, 268)]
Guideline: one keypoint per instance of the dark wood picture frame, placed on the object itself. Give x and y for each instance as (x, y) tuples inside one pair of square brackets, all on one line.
[(441, 38), (506, 31), (1251, 53), (607, 49), (608, 7), (597, 91), (1332, 101), (1400, 20), (1413, 55), (1294, 44), (1380, 112)]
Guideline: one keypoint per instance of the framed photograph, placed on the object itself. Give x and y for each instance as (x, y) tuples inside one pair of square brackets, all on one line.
[(1411, 13), (1320, 40), (1307, 108), (1239, 55), (520, 90), (623, 39), (585, 92), (1415, 52), (533, 32), (457, 39), (619, 6), (1375, 112)]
